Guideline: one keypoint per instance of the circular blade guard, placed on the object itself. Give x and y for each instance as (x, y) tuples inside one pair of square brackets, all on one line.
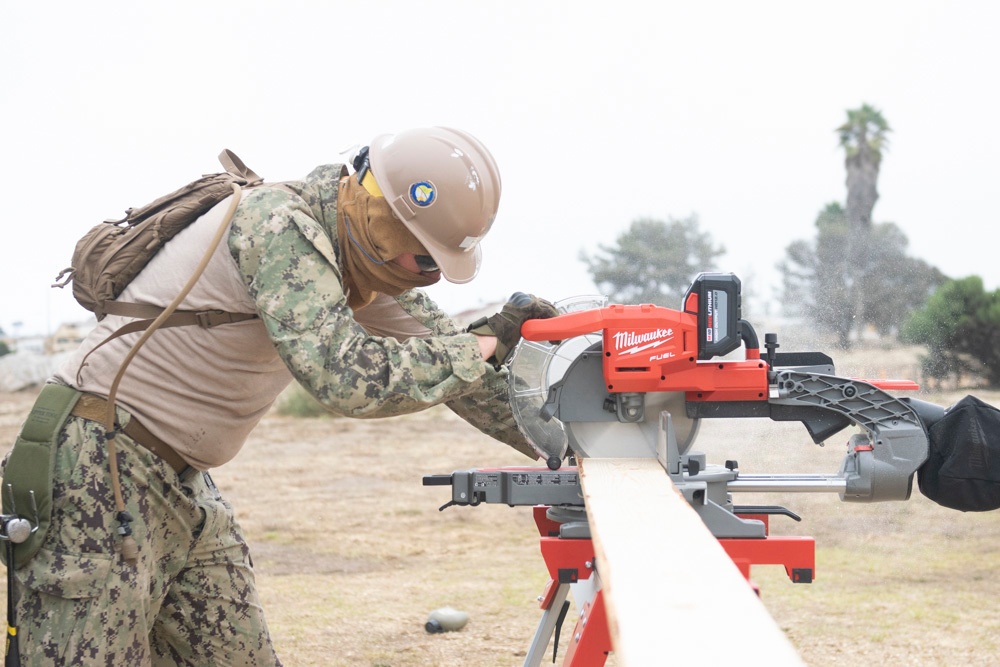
[(536, 366)]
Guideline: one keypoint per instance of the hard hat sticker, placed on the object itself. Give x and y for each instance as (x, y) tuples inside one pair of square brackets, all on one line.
[(423, 193)]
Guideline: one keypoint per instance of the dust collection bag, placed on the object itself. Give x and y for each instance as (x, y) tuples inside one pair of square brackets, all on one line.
[(962, 470)]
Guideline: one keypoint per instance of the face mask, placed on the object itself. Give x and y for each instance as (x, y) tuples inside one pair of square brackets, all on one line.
[(370, 236)]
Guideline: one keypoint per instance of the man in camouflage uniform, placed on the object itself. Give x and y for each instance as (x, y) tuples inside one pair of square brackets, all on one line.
[(330, 267)]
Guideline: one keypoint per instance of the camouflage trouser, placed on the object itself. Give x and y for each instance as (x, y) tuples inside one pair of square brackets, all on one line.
[(189, 600)]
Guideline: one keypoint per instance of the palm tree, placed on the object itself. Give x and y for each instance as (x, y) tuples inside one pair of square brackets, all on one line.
[(863, 138)]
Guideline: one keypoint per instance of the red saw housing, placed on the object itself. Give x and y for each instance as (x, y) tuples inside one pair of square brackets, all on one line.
[(650, 348)]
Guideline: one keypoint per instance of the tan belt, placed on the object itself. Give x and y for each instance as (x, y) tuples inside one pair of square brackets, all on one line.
[(95, 408)]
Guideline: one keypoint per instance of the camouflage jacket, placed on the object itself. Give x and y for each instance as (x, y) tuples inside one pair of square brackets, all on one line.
[(285, 245)]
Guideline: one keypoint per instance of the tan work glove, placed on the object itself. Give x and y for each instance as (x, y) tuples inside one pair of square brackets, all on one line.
[(506, 325)]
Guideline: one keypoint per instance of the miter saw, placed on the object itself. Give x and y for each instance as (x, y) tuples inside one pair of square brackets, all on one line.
[(603, 391), (629, 381)]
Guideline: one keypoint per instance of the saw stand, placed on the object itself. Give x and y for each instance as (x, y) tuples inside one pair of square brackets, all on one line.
[(569, 554)]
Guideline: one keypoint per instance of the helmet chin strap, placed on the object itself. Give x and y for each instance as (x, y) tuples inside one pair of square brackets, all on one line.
[(347, 226)]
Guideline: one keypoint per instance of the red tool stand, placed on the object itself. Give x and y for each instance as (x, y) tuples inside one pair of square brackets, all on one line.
[(571, 562)]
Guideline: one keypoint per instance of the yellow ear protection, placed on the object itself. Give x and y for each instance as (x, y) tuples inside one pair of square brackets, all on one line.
[(362, 167)]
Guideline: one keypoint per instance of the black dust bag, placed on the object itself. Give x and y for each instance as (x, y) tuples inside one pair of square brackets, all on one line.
[(962, 470)]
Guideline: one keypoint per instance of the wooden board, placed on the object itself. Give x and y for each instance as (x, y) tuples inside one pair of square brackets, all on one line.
[(670, 589)]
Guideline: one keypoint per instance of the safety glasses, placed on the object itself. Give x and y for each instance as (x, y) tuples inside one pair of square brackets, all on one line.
[(426, 263)]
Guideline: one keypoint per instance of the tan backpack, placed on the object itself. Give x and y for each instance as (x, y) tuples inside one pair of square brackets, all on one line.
[(112, 253)]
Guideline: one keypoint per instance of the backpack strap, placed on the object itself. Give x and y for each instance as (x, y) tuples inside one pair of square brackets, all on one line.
[(205, 319), (234, 165), (130, 550), (146, 314)]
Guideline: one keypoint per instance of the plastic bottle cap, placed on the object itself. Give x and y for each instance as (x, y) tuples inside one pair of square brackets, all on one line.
[(433, 626)]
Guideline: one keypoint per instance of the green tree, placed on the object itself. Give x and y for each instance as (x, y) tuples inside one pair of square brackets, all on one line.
[(4, 349), (895, 284), (653, 261), (856, 273), (821, 283), (813, 276), (960, 325)]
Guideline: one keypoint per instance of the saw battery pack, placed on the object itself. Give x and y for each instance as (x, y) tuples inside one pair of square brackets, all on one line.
[(716, 300)]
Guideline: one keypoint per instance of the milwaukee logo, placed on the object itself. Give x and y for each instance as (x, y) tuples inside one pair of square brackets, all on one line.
[(637, 342)]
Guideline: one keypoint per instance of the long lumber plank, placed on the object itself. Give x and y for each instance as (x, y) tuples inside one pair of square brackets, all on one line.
[(671, 591)]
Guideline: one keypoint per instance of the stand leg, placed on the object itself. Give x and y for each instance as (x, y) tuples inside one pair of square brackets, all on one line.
[(536, 653), (591, 640)]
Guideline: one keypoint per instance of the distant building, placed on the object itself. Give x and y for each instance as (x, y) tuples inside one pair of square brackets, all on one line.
[(68, 336), (33, 343)]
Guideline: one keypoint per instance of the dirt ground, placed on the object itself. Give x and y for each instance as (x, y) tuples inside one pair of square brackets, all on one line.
[(352, 554)]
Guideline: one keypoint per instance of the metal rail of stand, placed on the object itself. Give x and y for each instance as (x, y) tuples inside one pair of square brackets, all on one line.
[(789, 483)]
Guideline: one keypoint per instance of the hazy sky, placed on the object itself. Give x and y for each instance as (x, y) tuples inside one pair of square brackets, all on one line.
[(597, 113)]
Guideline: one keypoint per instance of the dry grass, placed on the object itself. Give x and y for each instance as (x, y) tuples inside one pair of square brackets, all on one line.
[(351, 553)]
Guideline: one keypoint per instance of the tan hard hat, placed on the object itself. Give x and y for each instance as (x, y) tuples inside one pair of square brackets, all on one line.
[(444, 185)]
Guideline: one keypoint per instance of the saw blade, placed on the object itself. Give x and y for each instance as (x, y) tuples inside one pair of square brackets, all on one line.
[(534, 368), (610, 439), (538, 366)]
